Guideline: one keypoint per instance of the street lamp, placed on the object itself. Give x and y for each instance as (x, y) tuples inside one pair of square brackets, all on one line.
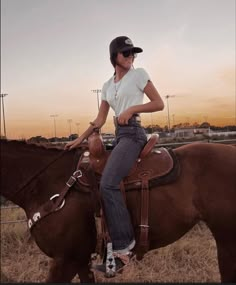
[(3, 112), (77, 124), (167, 97), (235, 110), (69, 122), (55, 131), (173, 116), (151, 121), (97, 91)]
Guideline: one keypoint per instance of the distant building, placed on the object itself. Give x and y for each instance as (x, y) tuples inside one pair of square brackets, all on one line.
[(221, 133), (190, 132), (194, 132), (108, 139)]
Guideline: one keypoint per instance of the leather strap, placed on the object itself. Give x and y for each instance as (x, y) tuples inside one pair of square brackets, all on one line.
[(144, 227), (100, 221), (96, 197), (53, 205)]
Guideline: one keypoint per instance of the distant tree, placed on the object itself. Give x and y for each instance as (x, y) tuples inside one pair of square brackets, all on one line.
[(153, 128), (73, 137), (64, 139), (37, 139), (195, 125), (165, 129), (53, 139), (205, 125), (232, 128), (148, 129), (157, 128), (186, 125)]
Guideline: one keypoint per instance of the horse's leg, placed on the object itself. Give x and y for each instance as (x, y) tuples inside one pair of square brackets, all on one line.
[(85, 275), (226, 251), (62, 271)]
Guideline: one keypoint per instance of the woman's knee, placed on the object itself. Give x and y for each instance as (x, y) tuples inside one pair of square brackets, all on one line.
[(107, 185)]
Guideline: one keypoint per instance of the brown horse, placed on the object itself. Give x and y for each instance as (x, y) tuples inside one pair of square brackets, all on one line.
[(205, 190)]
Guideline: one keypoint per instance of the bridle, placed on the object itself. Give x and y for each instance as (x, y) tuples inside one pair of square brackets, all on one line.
[(37, 174)]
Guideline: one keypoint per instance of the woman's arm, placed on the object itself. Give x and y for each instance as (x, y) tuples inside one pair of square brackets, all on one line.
[(155, 104), (97, 123)]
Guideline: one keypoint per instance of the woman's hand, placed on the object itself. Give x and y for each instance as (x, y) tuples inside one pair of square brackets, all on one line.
[(124, 117), (75, 143)]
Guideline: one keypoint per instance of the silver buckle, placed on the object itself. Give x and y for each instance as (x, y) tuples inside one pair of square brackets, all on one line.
[(62, 203), (76, 172), (70, 184), (73, 178)]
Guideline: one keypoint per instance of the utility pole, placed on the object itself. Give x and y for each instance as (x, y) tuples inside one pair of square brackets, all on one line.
[(69, 122), (173, 116), (55, 131), (3, 113), (235, 110), (97, 91), (77, 124), (167, 97), (151, 121), (188, 120)]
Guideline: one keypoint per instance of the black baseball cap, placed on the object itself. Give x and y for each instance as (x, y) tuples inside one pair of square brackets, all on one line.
[(121, 44)]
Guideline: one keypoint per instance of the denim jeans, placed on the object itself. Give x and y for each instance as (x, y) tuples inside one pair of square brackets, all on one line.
[(131, 139)]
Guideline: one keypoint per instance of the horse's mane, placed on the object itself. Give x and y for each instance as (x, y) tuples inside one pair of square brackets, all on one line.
[(31, 144), (44, 146)]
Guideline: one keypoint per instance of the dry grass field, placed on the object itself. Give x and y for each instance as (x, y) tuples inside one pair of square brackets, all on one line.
[(190, 259)]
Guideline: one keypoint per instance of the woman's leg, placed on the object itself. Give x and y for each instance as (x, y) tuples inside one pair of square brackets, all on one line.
[(118, 166)]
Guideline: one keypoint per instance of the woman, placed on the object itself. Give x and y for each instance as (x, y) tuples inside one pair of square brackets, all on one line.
[(124, 92)]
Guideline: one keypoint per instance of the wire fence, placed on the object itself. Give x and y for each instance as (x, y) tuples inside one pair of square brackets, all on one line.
[(232, 141), (9, 207), (13, 222)]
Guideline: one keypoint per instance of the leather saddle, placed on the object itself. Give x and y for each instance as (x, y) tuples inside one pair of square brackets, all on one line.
[(153, 167), (156, 164)]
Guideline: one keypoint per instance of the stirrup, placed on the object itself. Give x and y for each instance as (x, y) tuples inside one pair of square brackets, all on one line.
[(110, 262), (108, 267), (115, 262)]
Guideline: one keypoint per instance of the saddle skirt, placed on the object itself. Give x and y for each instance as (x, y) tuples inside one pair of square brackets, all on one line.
[(156, 164)]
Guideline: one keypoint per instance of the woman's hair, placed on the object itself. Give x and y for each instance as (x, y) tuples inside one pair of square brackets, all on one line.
[(113, 59)]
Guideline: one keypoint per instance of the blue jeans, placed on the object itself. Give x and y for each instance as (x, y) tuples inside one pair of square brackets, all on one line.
[(130, 141)]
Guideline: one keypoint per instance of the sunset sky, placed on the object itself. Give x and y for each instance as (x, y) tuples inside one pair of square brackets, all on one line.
[(54, 52)]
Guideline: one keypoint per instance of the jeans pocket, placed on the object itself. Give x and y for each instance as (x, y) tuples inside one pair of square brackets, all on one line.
[(141, 136)]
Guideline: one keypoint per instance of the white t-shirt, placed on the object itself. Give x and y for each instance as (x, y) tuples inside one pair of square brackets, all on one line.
[(126, 92)]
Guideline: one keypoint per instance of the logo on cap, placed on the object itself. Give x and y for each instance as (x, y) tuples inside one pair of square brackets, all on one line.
[(128, 42)]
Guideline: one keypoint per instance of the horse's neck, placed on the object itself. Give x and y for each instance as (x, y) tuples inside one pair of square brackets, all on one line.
[(23, 181), (17, 182)]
